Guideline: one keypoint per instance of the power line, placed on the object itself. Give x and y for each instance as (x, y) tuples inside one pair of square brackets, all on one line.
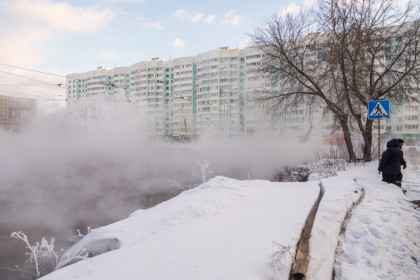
[(59, 85), (43, 92), (20, 85), (36, 71), (30, 96), (27, 85)]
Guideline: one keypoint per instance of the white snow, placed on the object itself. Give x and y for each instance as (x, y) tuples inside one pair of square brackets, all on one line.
[(383, 235), (230, 229)]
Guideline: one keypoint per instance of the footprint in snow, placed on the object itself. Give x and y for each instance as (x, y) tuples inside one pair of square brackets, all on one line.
[(370, 248), (385, 219), (367, 220), (392, 230), (375, 232)]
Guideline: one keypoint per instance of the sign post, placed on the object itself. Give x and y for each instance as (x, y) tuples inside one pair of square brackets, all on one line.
[(378, 109), (379, 141)]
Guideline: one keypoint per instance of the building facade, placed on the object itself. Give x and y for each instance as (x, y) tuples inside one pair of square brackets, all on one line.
[(15, 111), (213, 91), (186, 97)]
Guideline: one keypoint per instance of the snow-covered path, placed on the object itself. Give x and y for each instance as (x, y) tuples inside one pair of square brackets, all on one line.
[(382, 237)]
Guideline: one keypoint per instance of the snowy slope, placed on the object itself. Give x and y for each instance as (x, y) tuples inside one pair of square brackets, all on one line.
[(230, 229)]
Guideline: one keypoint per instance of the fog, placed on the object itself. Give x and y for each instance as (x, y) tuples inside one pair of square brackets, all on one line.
[(93, 164)]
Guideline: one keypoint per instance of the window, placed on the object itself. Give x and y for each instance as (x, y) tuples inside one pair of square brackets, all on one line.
[(252, 64), (253, 56), (411, 126), (410, 118)]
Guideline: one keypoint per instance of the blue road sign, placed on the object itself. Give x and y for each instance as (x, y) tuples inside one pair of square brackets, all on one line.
[(378, 109)]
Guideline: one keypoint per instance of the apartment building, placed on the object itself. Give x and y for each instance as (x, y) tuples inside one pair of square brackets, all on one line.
[(185, 97), (404, 122), (213, 91), (15, 111)]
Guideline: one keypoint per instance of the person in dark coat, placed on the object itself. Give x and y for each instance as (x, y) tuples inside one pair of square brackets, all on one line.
[(390, 161), (403, 163)]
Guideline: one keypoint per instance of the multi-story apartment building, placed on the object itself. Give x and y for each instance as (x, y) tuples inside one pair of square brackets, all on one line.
[(404, 122), (186, 97), (15, 111), (213, 91)]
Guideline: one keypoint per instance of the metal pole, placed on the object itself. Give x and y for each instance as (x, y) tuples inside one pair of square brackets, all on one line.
[(379, 141)]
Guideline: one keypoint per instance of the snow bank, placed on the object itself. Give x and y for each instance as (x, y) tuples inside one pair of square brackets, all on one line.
[(230, 229), (224, 229)]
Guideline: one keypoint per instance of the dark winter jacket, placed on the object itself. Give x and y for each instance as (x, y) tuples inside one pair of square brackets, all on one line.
[(391, 158), (402, 161)]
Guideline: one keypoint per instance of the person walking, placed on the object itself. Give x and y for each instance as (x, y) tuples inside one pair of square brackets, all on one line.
[(403, 163), (390, 161)]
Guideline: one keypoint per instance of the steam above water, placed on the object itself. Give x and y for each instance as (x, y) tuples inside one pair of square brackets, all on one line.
[(92, 164)]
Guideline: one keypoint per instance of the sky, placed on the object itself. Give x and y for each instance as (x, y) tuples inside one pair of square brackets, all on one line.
[(364, 229), (62, 37)]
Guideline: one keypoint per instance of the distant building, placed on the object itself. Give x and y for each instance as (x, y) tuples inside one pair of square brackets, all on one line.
[(15, 111), (185, 97), (404, 122), (215, 90)]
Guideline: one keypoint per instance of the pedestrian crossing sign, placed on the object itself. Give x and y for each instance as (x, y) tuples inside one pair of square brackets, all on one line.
[(378, 109)]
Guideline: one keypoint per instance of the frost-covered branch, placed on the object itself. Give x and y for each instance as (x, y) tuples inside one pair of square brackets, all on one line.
[(33, 249), (280, 254), (204, 171), (79, 235), (43, 258)]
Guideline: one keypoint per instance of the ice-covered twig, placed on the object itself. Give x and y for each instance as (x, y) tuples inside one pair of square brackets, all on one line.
[(79, 235), (279, 254), (33, 249), (176, 183), (204, 166), (66, 258)]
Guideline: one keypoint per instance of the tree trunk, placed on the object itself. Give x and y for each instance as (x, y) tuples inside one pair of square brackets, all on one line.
[(347, 137), (367, 137)]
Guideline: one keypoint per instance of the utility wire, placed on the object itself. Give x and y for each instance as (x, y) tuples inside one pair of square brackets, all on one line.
[(43, 92), (39, 97), (29, 94), (59, 85), (36, 71), (21, 85)]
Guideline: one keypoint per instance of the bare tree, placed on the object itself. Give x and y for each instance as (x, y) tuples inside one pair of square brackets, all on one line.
[(341, 55)]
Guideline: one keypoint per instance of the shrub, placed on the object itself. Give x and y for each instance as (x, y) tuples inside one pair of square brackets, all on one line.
[(42, 257)]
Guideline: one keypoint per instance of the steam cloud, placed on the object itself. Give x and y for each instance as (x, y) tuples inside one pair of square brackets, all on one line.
[(94, 164)]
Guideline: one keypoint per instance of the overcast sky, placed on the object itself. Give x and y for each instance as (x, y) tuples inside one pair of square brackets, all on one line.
[(64, 37)]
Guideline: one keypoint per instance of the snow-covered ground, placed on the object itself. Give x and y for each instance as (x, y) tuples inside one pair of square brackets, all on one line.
[(230, 229)]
